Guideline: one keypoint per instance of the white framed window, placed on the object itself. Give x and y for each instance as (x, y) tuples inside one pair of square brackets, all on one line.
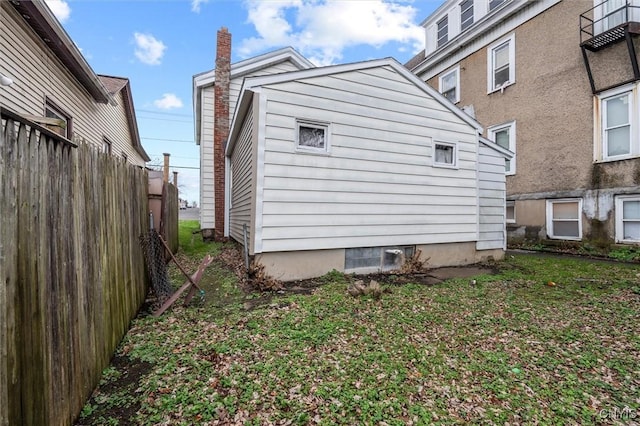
[(616, 124), (505, 136), (443, 31), (627, 218), (466, 14), (511, 212), (564, 219), (445, 154), (501, 64), (312, 136), (449, 83)]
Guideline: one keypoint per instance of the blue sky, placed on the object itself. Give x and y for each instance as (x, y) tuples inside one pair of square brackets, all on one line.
[(160, 44)]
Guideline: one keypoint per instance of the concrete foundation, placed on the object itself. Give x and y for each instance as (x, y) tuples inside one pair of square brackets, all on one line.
[(297, 265)]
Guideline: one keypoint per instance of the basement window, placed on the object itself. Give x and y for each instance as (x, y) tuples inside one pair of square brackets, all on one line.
[(511, 212), (628, 219), (312, 136), (374, 259), (564, 219)]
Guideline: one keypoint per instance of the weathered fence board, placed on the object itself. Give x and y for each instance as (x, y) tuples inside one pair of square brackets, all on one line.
[(71, 270)]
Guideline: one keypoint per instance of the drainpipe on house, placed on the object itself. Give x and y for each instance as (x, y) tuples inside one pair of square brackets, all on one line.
[(221, 125)]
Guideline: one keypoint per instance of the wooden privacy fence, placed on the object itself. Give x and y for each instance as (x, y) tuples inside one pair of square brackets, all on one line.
[(71, 269)]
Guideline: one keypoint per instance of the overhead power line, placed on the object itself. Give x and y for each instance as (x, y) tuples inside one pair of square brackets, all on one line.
[(164, 119), (165, 113), (168, 140)]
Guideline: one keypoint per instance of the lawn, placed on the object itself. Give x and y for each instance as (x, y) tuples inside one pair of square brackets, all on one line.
[(509, 348)]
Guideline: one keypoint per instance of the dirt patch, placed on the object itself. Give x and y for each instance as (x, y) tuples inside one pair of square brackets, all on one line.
[(115, 398), (430, 277)]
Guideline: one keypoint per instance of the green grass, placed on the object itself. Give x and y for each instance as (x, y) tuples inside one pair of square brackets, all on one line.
[(192, 244), (509, 349)]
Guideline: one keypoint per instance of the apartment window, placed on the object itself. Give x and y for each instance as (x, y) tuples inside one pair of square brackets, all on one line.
[(443, 31), (501, 69), (445, 154), (495, 3), (312, 137), (450, 85), (505, 136), (62, 124), (106, 146), (564, 219), (618, 124), (466, 14), (628, 219), (511, 212)]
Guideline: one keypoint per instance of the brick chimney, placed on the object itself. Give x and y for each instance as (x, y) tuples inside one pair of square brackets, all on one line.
[(221, 125)]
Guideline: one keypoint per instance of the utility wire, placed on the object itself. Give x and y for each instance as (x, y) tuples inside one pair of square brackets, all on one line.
[(165, 113), (165, 119), (168, 140)]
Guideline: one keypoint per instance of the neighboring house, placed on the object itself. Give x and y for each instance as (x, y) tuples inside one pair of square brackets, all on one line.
[(356, 167), (564, 98), (279, 61), (55, 86)]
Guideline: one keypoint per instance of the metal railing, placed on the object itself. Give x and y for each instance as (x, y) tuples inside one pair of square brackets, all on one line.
[(607, 20)]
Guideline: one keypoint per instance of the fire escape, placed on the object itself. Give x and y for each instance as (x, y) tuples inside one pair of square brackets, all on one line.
[(604, 26)]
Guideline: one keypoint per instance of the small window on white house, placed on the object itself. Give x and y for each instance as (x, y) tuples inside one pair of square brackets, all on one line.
[(106, 146), (445, 154), (628, 219), (511, 212), (125, 157), (564, 219), (505, 136), (443, 31), (466, 14), (618, 125), (313, 137), (450, 84), (501, 67)]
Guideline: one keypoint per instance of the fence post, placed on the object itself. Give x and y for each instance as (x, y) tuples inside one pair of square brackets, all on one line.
[(166, 168)]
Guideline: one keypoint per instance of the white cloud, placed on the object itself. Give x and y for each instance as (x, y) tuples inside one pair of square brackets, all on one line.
[(60, 9), (149, 50), (195, 5), (322, 29), (168, 101)]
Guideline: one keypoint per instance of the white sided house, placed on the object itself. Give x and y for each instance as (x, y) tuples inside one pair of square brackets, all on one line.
[(48, 81), (355, 167), (279, 61)]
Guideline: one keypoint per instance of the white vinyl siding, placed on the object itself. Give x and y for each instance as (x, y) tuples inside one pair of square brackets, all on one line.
[(207, 203), (242, 164), (207, 196), (377, 186), (38, 74), (492, 191)]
